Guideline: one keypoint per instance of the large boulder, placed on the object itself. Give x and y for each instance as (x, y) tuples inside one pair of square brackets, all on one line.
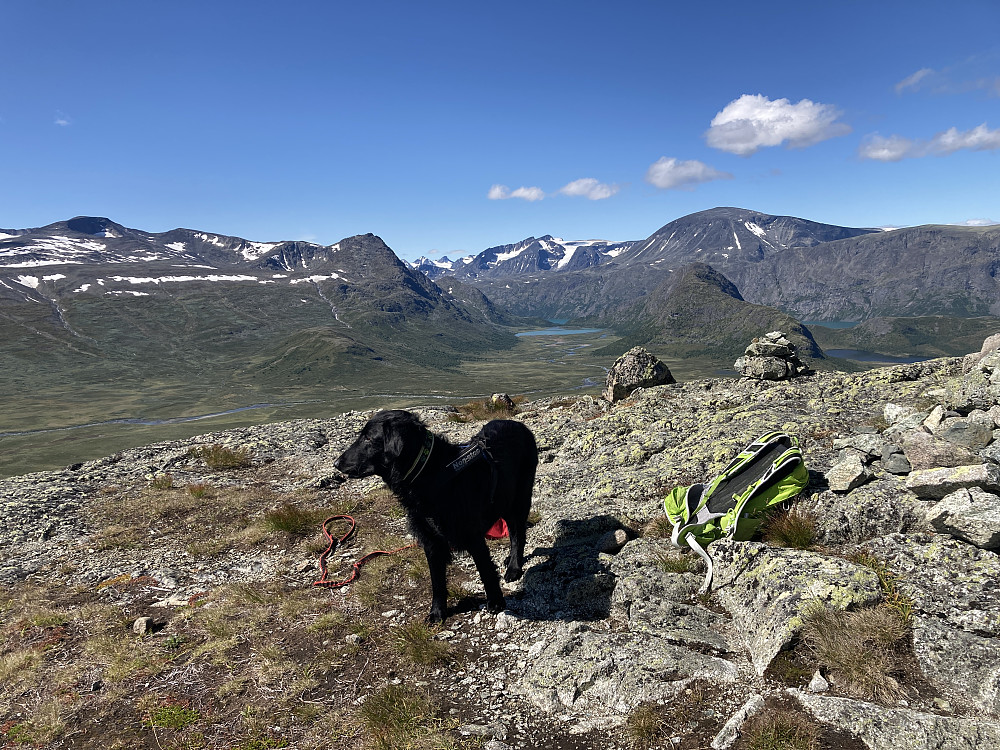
[(636, 368)]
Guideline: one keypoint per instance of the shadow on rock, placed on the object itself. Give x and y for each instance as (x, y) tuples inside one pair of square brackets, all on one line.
[(571, 579)]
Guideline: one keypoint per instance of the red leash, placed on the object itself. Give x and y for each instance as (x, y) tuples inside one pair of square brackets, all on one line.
[(334, 543)]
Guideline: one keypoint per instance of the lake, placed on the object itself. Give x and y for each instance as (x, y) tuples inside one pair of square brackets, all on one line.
[(558, 331), (859, 355)]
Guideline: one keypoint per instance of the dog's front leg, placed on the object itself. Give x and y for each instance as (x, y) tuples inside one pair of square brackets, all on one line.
[(437, 560), (488, 573)]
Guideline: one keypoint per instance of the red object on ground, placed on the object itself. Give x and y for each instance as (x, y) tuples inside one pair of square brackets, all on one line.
[(498, 530)]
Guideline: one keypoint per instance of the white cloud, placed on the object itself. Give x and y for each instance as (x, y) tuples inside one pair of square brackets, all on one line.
[(672, 174), (753, 121), (589, 188), (977, 223), (912, 81), (896, 147), (502, 193), (61, 120), (980, 138), (879, 148)]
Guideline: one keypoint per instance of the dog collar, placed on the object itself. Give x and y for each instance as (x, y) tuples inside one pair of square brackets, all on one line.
[(422, 457)]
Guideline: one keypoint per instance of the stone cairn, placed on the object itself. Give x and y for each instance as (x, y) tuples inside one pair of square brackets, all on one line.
[(636, 368), (770, 357)]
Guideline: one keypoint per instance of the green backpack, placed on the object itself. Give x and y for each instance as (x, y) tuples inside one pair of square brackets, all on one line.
[(766, 473)]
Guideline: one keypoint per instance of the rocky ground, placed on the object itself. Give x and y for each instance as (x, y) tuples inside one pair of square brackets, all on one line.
[(605, 642)]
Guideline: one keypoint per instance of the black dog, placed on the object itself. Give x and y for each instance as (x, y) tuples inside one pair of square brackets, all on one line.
[(453, 494)]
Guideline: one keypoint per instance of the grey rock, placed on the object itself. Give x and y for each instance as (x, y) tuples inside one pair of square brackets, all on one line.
[(636, 368), (847, 474), (926, 451), (895, 461), (730, 732), (947, 579), (884, 506), (881, 727), (612, 541), (936, 483), (767, 590), (584, 671), (652, 600), (969, 514), (818, 684), (870, 444), (959, 662), (894, 414), (142, 625), (934, 419), (763, 368), (972, 435)]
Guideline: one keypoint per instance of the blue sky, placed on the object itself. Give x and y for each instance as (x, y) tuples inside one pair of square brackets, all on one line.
[(447, 128)]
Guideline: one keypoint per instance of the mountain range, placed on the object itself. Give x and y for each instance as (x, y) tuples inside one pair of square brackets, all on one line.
[(101, 322), (813, 271)]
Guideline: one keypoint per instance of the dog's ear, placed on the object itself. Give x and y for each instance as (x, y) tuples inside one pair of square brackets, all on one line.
[(393, 441)]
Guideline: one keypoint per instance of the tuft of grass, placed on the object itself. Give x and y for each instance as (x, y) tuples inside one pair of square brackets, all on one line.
[(199, 490), (646, 725), (893, 598), (162, 481), (670, 561), (650, 723), (220, 457), (172, 716), (780, 730), (795, 528), (43, 727), (416, 642), (861, 651), (292, 519), (659, 528), (395, 715)]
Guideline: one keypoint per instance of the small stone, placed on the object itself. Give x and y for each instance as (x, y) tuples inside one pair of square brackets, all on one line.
[(353, 639), (847, 474), (612, 541), (143, 626), (942, 704), (818, 684)]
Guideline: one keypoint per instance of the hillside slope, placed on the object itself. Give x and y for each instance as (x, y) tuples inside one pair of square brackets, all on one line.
[(604, 630)]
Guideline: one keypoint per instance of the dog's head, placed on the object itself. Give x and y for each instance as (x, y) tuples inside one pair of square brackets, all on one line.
[(381, 446)]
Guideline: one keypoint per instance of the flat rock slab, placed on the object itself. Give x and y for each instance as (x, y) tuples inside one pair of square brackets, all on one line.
[(936, 483), (881, 728), (588, 672), (767, 590)]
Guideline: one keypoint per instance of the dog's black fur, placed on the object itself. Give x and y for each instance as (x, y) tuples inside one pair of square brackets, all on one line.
[(447, 509)]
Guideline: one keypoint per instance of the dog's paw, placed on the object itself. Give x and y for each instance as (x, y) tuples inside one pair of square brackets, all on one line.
[(512, 574), (436, 615), (498, 605)]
